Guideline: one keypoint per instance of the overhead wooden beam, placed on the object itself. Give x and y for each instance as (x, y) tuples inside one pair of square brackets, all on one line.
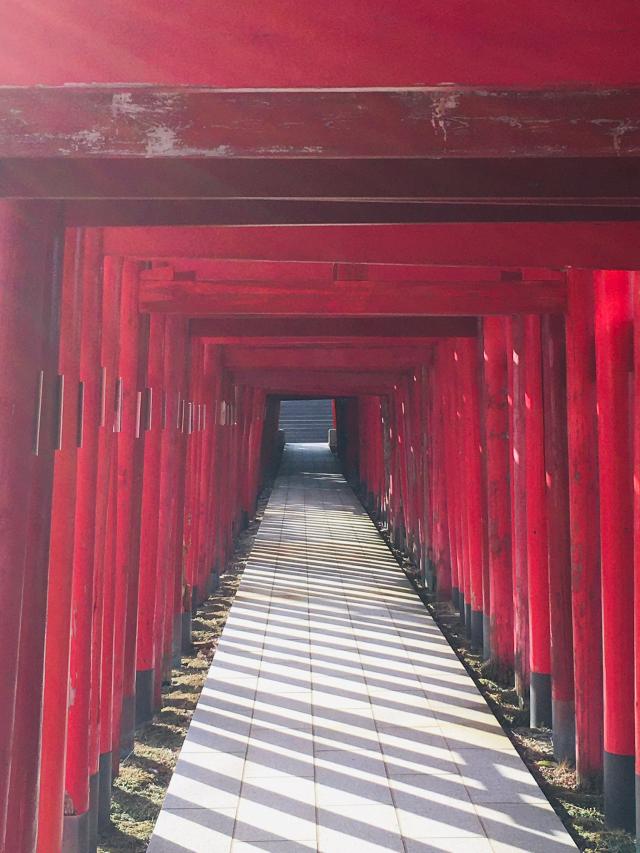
[(440, 121), (330, 382), (392, 330), (322, 359), (232, 270), (153, 213), (446, 179), (595, 245), (350, 298)]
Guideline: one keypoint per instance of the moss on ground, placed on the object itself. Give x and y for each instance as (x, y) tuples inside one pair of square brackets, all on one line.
[(144, 776)]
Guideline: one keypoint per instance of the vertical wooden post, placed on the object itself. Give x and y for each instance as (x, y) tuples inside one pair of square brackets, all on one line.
[(537, 551), (516, 360), (585, 528), (30, 255), (149, 522), (613, 326), (558, 535), (58, 636), (498, 493), (473, 479), (80, 782)]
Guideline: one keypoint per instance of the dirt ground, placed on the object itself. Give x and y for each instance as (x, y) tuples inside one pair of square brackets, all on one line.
[(140, 788)]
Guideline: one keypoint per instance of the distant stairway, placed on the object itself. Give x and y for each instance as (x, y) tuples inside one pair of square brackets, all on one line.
[(305, 420)]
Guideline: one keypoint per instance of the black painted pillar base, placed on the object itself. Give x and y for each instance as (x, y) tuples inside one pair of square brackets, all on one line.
[(619, 792), (486, 637), (104, 790), (540, 700), (477, 629), (214, 581), (176, 641), (467, 617), (127, 725), (194, 600), (75, 833), (94, 792), (144, 696), (185, 632), (564, 731), (245, 519), (455, 597), (637, 830)]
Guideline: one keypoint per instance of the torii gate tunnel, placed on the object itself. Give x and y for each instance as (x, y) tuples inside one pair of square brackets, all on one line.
[(207, 209)]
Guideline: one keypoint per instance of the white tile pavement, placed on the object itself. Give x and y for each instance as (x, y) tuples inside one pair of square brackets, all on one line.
[(335, 716)]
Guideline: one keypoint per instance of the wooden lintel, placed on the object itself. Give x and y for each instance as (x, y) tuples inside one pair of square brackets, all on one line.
[(333, 329), (574, 180), (351, 298), (334, 358), (441, 121)]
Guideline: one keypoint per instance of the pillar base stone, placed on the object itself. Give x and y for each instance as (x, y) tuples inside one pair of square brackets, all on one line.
[(144, 696), (185, 632), (104, 790), (619, 791), (94, 793), (75, 833), (486, 638), (176, 644), (455, 598), (127, 726), (477, 629), (564, 731), (540, 700)]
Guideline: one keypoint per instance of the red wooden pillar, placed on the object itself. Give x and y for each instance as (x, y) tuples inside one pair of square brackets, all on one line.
[(149, 522), (498, 494), (471, 480), (613, 327), (58, 635), (558, 535), (104, 548), (126, 562), (636, 529), (81, 783), (516, 362), (537, 550), (30, 250), (585, 529), (133, 414)]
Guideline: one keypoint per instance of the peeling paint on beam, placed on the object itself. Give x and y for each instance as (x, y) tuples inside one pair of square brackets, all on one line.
[(444, 121)]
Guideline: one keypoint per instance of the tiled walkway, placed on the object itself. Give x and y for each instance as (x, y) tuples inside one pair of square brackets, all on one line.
[(335, 716)]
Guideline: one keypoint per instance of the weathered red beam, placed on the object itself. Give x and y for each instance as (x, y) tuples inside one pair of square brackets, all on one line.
[(598, 245), (229, 212), (350, 298), (577, 180), (357, 330), (439, 121), (229, 269), (335, 358)]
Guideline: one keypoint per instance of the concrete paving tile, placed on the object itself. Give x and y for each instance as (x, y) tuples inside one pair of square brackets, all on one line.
[(281, 809), (206, 781), (359, 829), (524, 827), (194, 830), (434, 807)]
